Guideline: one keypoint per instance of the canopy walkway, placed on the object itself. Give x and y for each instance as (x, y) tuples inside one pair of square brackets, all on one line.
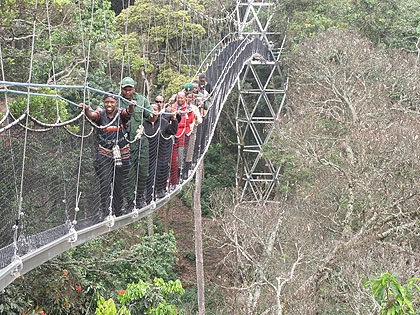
[(49, 191)]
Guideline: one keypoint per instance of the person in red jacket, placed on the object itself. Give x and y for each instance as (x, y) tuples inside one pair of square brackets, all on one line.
[(186, 118)]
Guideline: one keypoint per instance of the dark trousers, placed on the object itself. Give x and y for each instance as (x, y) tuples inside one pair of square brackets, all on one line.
[(136, 179), (163, 165), (110, 179)]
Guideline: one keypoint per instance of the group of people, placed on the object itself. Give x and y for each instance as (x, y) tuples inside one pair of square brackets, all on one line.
[(145, 149)]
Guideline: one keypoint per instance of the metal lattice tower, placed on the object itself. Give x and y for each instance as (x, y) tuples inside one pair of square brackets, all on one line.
[(261, 88)]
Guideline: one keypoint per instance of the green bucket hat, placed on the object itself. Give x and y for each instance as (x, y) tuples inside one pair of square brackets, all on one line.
[(127, 81), (189, 86)]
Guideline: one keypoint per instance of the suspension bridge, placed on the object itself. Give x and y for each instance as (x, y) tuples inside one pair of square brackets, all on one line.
[(49, 189)]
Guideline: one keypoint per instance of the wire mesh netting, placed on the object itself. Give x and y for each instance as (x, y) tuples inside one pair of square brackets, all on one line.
[(63, 178)]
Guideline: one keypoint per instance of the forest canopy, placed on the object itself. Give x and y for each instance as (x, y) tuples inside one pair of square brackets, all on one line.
[(346, 206)]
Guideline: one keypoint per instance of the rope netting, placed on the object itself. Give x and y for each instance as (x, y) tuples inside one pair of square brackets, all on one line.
[(59, 176)]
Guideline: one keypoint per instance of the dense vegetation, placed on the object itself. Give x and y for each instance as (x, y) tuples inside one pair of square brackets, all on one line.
[(347, 145)]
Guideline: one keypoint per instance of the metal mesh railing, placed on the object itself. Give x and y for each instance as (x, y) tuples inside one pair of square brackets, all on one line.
[(60, 199)]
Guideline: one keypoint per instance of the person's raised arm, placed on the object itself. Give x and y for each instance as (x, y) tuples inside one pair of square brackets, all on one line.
[(91, 115), (129, 111)]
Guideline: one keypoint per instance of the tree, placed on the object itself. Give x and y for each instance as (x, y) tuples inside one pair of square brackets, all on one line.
[(392, 296), (351, 125), (259, 259), (144, 298), (198, 238), (347, 199), (388, 23), (64, 35), (163, 43)]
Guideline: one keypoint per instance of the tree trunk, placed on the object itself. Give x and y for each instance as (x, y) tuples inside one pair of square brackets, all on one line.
[(166, 218), (150, 229), (199, 240)]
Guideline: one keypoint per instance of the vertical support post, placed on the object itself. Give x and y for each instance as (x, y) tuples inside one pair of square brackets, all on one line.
[(198, 233), (150, 227)]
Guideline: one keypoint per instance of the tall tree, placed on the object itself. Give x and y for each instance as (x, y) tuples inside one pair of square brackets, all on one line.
[(347, 147), (156, 42)]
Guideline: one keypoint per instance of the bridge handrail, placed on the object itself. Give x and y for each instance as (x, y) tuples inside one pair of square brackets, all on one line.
[(240, 52)]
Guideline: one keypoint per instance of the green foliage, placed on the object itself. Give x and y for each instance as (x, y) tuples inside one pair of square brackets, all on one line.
[(392, 23), (173, 79), (108, 307), (42, 108), (219, 171), (75, 280), (12, 301), (144, 298), (66, 42), (392, 297), (165, 28), (294, 172), (149, 257), (213, 298)]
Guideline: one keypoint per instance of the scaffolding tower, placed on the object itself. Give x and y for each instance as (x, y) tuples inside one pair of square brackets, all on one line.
[(262, 93)]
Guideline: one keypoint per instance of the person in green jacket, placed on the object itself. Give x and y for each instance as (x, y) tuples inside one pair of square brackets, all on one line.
[(139, 150)]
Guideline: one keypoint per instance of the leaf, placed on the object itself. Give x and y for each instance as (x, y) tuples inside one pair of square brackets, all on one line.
[(379, 294), (413, 279), (370, 282), (398, 285), (395, 289), (408, 303), (416, 286)]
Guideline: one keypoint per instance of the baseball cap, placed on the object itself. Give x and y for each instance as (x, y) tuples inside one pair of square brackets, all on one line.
[(127, 81)]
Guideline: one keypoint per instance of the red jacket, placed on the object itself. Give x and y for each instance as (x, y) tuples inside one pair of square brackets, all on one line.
[(186, 120)]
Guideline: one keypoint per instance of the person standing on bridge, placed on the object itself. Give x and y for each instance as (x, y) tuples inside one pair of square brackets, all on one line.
[(206, 89), (204, 85), (112, 160), (178, 150), (193, 104), (159, 132), (139, 170)]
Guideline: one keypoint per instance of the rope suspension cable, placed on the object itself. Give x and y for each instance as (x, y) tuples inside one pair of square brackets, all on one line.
[(52, 61), (110, 219), (82, 35), (201, 41), (88, 88), (138, 140), (38, 122), (125, 40), (159, 62), (166, 49), (182, 137), (145, 48), (107, 39), (6, 115), (65, 197), (199, 127), (180, 50), (87, 58), (19, 222), (12, 154), (189, 62), (208, 17), (208, 29), (194, 128), (79, 136), (147, 189), (171, 140)]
